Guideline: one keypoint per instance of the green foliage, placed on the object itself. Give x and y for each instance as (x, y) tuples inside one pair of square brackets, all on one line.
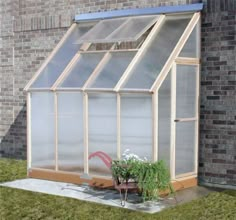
[(12, 169), (152, 178), (122, 169)]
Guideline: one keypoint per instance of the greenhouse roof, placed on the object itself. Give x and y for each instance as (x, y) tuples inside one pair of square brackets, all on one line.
[(130, 50)]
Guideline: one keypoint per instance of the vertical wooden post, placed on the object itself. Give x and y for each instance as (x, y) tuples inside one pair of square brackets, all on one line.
[(197, 119), (56, 130), (118, 127), (29, 145), (173, 123), (155, 125), (85, 113)]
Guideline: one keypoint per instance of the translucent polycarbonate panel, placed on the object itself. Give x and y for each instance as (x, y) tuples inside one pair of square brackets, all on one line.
[(144, 74), (102, 127), (103, 29), (133, 28), (112, 71), (136, 125), (42, 130), (62, 57), (82, 70), (186, 91), (185, 147), (191, 47), (70, 132), (164, 120)]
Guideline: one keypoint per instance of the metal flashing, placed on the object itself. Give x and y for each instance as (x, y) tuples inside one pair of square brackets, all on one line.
[(139, 11)]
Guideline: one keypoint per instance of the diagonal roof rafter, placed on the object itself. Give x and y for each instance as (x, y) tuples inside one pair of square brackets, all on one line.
[(166, 68), (140, 53)]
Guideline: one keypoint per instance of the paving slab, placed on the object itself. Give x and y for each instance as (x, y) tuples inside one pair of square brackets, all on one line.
[(107, 196)]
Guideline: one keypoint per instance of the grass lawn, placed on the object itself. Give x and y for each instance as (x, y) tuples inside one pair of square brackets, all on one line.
[(18, 204)]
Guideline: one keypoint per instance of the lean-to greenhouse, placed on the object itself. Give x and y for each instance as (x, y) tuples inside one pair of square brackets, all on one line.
[(127, 79)]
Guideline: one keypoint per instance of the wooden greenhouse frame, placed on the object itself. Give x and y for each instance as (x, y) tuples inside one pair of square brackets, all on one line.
[(174, 60)]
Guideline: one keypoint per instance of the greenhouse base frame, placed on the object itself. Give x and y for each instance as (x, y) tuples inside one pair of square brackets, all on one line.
[(100, 182)]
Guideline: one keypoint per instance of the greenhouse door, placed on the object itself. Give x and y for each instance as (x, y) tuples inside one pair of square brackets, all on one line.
[(186, 119)]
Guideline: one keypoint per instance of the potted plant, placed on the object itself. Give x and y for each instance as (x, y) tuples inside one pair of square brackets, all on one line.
[(151, 177), (122, 169)]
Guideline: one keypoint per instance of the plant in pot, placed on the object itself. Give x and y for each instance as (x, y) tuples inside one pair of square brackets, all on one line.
[(151, 177), (122, 169)]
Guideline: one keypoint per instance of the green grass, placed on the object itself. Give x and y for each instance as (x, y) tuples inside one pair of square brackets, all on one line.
[(12, 169), (18, 204)]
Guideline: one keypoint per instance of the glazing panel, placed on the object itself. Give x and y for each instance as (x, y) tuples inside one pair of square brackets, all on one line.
[(63, 56), (185, 147), (133, 29), (102, 122), (70, 132), (112, 70), (42, 130), (82, 70), (156, 54), (103, 29), (164, 120), (186, 91), (136, 125), (190, 48)]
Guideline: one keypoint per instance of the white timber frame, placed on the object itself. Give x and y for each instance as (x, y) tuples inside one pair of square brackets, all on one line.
[(170, 66), (29, 144)]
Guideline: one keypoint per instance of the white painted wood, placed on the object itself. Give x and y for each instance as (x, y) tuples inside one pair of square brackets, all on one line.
[(187, 61), (186, 119), (118, 126), (199, 37), (127, 91), (71, 29), (180, 176), (99, 90), (97, 70), (38, 90), (110, 50), (155, 125), (85, 113), (66, 71), (165, 70), (173, 125), (135, 91), (139, 54), (197, 116), (68, 89), (29, 146), (56, 130)]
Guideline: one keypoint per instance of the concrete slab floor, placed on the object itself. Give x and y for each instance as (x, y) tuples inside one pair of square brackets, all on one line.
[(107, 196)]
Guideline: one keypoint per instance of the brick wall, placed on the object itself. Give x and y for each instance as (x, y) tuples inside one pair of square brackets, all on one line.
[(31, 29), (217, 158)]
